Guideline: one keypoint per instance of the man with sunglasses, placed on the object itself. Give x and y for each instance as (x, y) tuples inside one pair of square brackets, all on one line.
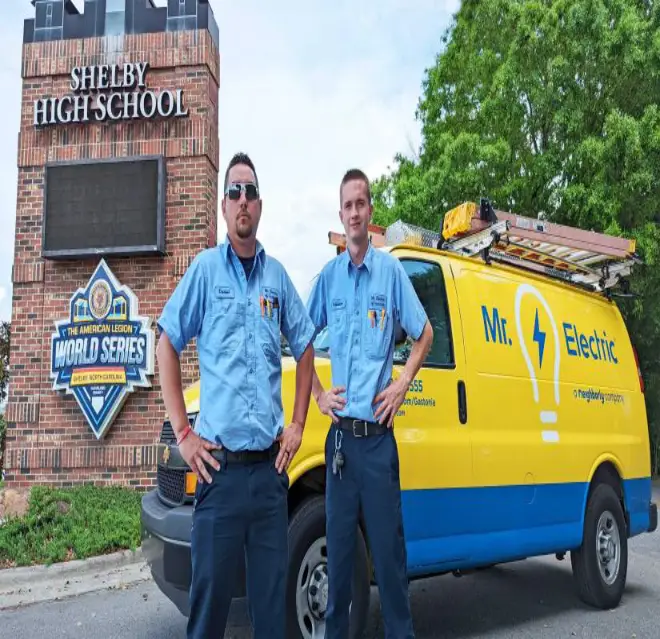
[(362, 296), (235, 299)]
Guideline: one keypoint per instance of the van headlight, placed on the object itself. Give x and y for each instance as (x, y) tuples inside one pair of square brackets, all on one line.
[(191, 482), (191, 478)]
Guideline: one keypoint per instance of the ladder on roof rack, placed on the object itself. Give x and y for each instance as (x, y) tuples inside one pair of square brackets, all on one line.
[(585, 258), (595, 260)]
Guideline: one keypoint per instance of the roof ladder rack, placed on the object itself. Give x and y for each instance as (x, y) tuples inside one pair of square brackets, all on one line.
[(595, 260)]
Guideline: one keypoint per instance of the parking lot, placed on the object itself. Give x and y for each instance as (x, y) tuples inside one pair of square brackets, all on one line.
[(523, 600)]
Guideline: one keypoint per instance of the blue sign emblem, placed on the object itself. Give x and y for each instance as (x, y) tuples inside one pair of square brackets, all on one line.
[(103, 350)]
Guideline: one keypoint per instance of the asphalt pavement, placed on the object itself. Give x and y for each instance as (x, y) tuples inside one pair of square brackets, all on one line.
[(523, 600)]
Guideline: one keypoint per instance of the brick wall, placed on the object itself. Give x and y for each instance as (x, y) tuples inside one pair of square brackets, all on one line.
[(48, 439)]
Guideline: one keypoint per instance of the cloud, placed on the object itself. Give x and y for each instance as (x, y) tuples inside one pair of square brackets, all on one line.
[(313, 91), (11, 34), (303, 148), (308, 89)]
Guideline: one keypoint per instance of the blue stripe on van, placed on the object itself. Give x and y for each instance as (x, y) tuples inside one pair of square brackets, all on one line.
[(465, 527), (638, 498)]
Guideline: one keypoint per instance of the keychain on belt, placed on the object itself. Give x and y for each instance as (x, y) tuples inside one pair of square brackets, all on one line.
[(338, 457)]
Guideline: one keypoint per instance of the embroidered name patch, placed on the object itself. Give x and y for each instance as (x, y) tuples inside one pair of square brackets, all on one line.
[(338, 303), (224, 292)]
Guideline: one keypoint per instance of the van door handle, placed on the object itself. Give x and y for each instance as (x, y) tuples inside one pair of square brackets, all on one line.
[(462, 402)]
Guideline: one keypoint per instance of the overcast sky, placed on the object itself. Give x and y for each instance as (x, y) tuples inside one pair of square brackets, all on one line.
[(308, 89)]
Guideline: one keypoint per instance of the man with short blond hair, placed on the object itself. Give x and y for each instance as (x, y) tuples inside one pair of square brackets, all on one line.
[(361, 296)]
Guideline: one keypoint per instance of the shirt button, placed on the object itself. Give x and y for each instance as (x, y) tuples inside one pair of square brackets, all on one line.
[(250, 335)]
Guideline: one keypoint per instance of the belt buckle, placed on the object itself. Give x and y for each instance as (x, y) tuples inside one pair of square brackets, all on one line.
[(359, 421)]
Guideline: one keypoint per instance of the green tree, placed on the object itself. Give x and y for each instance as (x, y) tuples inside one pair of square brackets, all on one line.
[(548, 108)]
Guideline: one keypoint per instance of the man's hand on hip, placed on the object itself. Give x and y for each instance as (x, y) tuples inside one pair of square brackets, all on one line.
[(195, 451), (290, 441), (331, 400), (389, 400)]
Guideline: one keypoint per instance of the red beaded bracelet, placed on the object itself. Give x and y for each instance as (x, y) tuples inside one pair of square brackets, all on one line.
[(186, 431)]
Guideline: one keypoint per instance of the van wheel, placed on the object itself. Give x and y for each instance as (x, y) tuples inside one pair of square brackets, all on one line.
[(600, 565), (307, 576)]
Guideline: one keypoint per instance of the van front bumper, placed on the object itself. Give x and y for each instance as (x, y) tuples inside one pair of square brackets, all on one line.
[(165, 533), (166, 547)]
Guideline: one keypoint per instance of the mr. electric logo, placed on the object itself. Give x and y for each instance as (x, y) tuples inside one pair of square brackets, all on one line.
[(594, 344), (539, 338), (542, 346), (103, 350)]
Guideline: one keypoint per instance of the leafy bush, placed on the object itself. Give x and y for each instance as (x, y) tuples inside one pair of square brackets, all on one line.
[(72, 523)]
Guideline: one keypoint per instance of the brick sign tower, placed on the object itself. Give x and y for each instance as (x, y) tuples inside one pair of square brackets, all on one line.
[(117, 192)]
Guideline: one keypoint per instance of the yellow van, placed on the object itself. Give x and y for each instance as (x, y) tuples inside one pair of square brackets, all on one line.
[(524, 433)]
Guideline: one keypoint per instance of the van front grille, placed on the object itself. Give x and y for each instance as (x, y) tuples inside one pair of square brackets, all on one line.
[(167, 432), (171, 482), (171, 485)]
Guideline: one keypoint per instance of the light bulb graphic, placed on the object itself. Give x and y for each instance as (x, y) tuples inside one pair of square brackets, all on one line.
[(548, 414)]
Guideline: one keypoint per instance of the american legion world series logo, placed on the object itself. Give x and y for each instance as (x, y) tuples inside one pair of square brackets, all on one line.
[(103, 350)]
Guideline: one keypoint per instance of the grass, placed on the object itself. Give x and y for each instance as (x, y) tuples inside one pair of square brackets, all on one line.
[(72, 523)]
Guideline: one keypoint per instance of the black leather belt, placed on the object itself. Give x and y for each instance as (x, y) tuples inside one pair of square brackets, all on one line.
[(362, 428), (225, 455)]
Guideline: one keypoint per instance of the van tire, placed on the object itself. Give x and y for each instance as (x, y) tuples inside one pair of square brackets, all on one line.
[(603, 520), (307, 539)]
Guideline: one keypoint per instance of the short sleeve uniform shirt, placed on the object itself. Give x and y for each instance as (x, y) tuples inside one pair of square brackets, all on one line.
[(360, 306), (236, 314)]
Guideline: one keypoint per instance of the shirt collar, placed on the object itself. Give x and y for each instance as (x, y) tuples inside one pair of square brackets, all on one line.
[(367, 262), (227, 251)]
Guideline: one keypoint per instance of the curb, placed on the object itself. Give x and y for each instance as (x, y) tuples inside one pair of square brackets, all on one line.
[(35, 584), (16, 577)]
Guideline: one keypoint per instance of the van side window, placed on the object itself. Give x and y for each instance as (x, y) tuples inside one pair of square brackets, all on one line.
[(429, 284)]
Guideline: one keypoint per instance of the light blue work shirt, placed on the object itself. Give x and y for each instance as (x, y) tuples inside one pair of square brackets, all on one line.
[(361, 306), (237, 323)]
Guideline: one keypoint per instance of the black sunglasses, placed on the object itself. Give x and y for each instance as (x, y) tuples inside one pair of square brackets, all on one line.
[(234, 191)]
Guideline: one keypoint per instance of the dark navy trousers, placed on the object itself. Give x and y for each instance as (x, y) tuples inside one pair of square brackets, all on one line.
[(369, 484), (240, 516)]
